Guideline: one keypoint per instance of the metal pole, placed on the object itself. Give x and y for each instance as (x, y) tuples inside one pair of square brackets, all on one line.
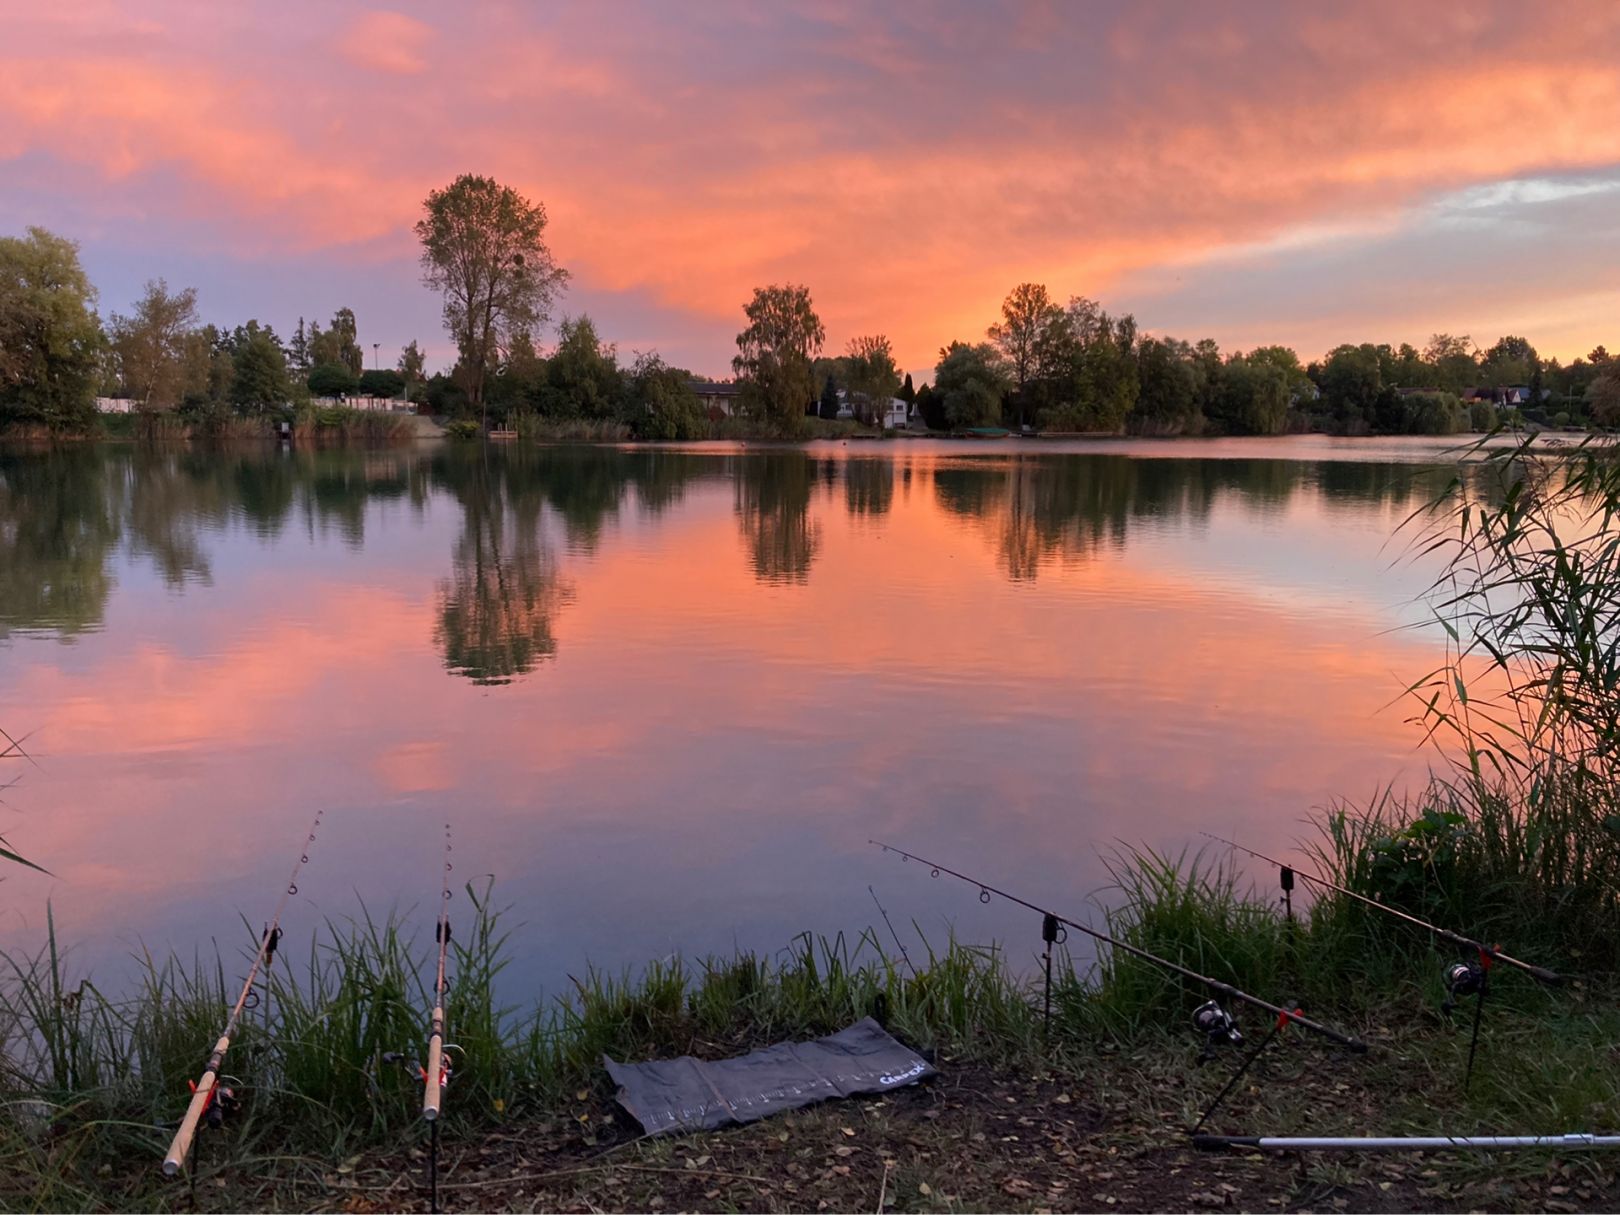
[(1412, 1143)]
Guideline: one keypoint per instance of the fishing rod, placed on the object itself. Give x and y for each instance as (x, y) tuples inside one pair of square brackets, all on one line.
[(209, 1099), (1226, 989), (1549, 977), (901, 944), (436, 1075)]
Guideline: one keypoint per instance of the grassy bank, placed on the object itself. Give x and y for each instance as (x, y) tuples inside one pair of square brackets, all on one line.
[(95, 1084)]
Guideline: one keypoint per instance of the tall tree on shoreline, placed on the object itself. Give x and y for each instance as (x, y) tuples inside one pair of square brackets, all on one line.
[(412, 366), (775, 352), (50, 336), (151, 345), (872, 375), (1031, 324), (484, 249)]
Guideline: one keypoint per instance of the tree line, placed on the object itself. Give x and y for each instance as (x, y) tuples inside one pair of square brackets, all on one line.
[(1070, 367)]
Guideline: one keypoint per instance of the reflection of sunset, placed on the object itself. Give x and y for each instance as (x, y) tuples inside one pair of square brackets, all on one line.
[(745, 672)]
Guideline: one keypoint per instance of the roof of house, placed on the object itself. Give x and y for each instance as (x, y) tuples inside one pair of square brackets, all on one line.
[(716, 388)]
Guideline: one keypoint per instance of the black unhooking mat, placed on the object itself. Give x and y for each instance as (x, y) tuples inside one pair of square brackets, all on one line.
[(688, 1094)]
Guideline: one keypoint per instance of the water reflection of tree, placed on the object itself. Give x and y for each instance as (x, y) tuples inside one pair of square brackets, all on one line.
[(773, 510), (495, 611), (58, 526), (494, 614), (1041, 508), (868, 487)]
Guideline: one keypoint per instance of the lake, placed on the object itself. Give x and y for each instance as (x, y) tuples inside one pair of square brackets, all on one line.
[(666, 695)]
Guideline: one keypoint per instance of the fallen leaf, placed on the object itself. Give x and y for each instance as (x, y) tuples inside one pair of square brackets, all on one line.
[(711, 1193), (848, 1131), (924, 1189), (843, 1151)]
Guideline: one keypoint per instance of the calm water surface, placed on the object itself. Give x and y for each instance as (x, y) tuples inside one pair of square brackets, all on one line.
[(665, 696)]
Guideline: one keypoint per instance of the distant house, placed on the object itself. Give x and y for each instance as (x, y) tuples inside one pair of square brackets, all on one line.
[(893, 416), (718, 397), (1504, 394), (116, 405)]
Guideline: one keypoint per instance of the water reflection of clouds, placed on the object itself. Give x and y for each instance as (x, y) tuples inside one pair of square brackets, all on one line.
[(703, 758)]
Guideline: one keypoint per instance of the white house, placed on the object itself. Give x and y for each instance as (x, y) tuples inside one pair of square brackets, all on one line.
[(116, 405), (894, 415)]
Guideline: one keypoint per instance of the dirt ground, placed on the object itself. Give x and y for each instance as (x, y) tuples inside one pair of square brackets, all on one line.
[(972, 1139)]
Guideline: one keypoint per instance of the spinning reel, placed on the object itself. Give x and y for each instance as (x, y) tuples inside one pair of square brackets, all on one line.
[(1218, 1027), (223, 1101), (394, 1058), (1462, 979)]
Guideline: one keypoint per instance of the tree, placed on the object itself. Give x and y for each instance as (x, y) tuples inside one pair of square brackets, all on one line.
[(907, 393), (1351, 383), (1028, 320), (1287, 362), (484, 250), (1456, 368), (298, 350), (332, 380), (873, 377), (412, 364), (774, 354), (662, 403), (50, 336), (829, 398), (381, 383), (1603, 394), (260, 368), (582, 377), (150, 347), (347, 333), (1089, 374), (1252, 398), (1167, 399), (972, 381)]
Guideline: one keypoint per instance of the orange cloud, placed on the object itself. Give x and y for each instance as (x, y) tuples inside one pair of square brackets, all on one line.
[(387, 42)]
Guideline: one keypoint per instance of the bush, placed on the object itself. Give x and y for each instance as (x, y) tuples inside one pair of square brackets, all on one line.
[(462, 428)]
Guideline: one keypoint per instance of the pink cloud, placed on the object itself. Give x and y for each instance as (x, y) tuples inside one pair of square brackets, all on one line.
[(387, 42)]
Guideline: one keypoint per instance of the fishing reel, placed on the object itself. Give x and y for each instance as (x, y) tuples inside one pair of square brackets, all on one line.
[(394, 1058), (1462, 979), (223, 1101), (1218, 1026)]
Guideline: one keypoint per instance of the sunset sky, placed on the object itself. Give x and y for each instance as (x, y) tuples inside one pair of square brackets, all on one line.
[(1252, 172)]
